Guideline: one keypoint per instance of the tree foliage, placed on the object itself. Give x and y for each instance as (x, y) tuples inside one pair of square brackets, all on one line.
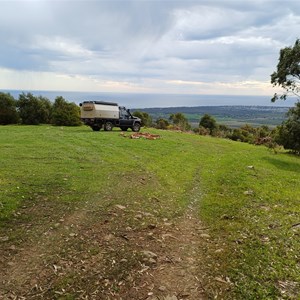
[(34, 110), (208, 122), (65, 113), (180, 121), (145, 117), (162, 123), (287, 74), (289, 132), (8, 111)]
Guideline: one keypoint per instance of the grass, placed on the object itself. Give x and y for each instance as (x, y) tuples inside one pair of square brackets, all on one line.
[(251, 211)]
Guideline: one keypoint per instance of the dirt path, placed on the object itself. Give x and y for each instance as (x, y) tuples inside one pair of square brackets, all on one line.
[(175, 272), (84, 253)]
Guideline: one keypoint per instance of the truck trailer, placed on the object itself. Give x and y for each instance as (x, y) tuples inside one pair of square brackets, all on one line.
[(98, 114)]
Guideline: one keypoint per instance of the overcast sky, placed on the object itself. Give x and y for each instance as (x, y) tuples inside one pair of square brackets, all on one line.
[(186, 47)]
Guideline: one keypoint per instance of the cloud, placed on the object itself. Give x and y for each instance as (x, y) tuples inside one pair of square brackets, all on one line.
[(145, 45)]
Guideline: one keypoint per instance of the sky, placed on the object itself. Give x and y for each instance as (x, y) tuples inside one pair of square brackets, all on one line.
[(200, 47)]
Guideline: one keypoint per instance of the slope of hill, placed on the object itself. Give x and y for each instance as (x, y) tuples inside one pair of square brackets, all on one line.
[(98, 215), (233, 116)]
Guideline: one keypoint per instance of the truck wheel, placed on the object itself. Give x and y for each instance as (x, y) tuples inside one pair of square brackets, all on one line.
[(136, 127), (108, 126), (124, 128), (96, 128)]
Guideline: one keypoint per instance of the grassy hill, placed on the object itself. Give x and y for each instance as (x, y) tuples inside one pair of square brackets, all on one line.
[(80, 208)]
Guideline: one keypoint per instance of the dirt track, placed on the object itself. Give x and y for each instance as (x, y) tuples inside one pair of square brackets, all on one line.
[(80, 252)]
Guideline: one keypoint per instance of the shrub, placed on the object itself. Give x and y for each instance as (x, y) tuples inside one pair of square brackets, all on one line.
[(8, 111)]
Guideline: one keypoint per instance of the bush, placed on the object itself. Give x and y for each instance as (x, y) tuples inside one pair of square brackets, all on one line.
[(288, 134), (34, 110), (64, 113), (145, 117), (208, 122), (162, 124), (8, 111)]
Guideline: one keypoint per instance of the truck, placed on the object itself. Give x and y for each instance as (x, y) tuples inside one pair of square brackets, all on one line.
[(98, 114)]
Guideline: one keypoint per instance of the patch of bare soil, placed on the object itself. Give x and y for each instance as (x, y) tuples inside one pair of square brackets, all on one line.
[(170, 266), (118, 253)]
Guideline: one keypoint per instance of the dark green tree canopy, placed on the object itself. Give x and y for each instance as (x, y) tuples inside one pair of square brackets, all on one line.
[(289, 131), (34, 110), (180, 121), (8, 111), (287, 74), (65, 113), (162, 123), (208, 122)]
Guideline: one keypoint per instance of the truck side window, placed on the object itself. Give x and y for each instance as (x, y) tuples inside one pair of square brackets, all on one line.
[(124, 114)]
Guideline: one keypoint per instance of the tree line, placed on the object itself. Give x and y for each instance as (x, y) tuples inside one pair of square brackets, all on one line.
[(34, 110), (31, 110)]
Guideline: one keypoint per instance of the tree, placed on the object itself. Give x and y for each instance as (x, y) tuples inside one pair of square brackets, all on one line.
[(208, 122), (65, 113), (287, 74), (289, 132), (162, 123), (180, 121), (34, 110), (288, 77), (145, 117), (44, 110), (8, 111)]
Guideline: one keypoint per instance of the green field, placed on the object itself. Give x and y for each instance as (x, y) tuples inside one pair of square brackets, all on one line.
[(248, 198)]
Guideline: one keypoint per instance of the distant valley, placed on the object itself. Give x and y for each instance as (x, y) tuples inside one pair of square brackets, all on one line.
[(232, 116)]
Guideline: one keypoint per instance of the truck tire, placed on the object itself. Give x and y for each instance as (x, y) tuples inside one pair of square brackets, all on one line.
[(108, 126), (136, 127), (95, 128)]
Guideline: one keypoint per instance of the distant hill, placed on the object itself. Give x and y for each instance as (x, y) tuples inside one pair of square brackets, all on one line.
[(233, 116)]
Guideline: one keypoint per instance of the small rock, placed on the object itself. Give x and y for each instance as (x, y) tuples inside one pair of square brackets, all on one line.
[(168, 224), (120, 206), (219, 250), (147, 214), (249, 192), (149, 254), (226, 217), (162, 288), (250, 167), (151, 261), (205, 235)]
